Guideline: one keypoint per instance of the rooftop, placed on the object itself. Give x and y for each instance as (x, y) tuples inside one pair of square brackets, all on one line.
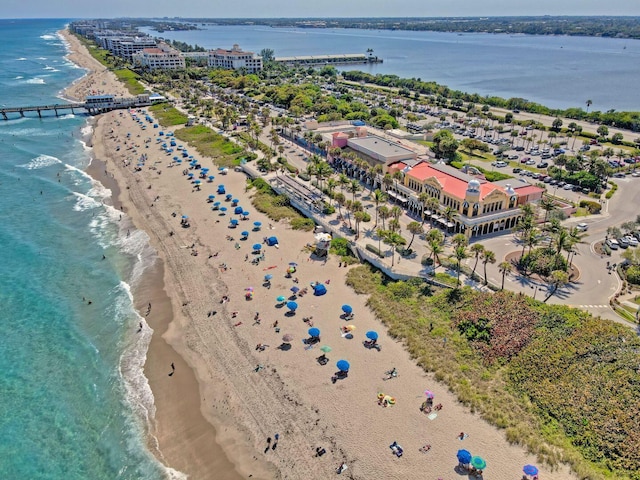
[(381, 146)]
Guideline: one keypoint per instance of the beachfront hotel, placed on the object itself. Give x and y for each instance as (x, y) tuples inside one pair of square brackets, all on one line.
[(161, 57), (235, 59), (479, 207)]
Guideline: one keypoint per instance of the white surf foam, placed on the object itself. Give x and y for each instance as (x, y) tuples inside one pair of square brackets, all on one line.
[(85, 202), (79, 172), (36, 81), (131, 369), (21, 59), (48, 37), (19, 77), (41, 161), (51, 69), (87, 130), (42, 58), (66, 116)]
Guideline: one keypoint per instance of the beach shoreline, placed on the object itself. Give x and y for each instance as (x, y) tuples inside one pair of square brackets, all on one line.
[(227, 392)]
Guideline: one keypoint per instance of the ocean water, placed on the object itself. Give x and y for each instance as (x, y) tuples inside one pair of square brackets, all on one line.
[(73, 401), (557, 71)]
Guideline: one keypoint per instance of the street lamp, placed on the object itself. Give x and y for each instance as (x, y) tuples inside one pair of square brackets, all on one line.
[(535, 291)]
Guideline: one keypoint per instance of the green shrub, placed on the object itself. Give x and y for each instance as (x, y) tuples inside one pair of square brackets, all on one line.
[(365, 218), (606, 249), (614, 187), (543, 261), (304, 177), (168, 116), (427, 260), (593, 207), (633, 274), (302, 223), (374, 249), (328, 209), (339, 246), (446, 279)]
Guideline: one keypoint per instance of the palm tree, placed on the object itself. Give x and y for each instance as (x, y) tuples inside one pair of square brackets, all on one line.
[(414, 228), (340, 200), (460, 239), (589, 103), (459, 253), (378, 198), (487, 257), (396, 212), (557, 280), (504, 268), (381, 234), (394, 240), (332, 183), (435, 240), (354, 187), (358, 216), (476, 250), (548, 204), (394, 225), (384, 213), (343, 180)]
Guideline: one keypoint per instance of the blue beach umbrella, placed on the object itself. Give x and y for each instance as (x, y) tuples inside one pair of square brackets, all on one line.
[(210, 177), (228, 197), (280, 299), (176, 158), (268, 276), (464, 456), (257, 224), (293, 306), (530, 470), (343, 365), (185, 217), (245, 213), (223, 209), (204, 170), (257, 246), (372, 335), (197, 182), (347, 308), (244, 235), (211, 197), (238, 211), (295, 289), (220, 169), (190, 175), (234, 222), (314, 332)]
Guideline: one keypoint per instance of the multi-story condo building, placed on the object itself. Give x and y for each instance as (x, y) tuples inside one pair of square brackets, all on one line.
[(161, 57), (235, 59)]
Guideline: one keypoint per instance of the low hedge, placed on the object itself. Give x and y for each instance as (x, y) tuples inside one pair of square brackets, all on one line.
[(614, 187), (374, 249)]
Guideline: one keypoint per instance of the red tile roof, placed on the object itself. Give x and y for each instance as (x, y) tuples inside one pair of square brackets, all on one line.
[(528, 190), (451, 185)]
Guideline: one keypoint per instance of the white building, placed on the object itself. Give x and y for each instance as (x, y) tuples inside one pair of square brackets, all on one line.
[(235, 59), (161, 57), (125, 47)]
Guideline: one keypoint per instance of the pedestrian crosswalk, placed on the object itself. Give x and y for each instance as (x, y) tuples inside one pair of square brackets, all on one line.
[(589, 306)]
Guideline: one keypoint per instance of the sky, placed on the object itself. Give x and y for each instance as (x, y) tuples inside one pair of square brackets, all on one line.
[(304, 8)]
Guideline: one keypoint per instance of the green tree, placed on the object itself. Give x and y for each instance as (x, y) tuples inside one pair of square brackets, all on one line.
[(444, 145), (459, 253), (557, 280), (384, 213), (476, 250), (414, 228), (557, 123), (378, 198), (487, 257), (504, 268)]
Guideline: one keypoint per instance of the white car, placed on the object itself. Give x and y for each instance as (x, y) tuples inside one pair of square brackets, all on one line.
[(633, 242), (582, 227)]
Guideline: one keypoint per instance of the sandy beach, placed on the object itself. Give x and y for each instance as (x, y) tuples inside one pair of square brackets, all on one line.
[(219, 413)]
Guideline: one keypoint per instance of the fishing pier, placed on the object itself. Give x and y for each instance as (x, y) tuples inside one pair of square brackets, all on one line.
[(92, 105)]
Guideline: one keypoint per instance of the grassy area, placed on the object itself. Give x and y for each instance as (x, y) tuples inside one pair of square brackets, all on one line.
[(210, 144), (130, 80), (167, 115), (558, 381), (277, 207)]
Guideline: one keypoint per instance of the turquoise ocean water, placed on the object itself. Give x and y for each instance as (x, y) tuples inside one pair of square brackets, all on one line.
[(73, 401)]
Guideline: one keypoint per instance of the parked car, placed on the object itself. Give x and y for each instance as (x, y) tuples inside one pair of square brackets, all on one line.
[(582, 227), (631, 240), (623, 242), (513, 157), (530, 162), (516, 170), (525, 159), (519, 149), (619, 175), (542, 165), (613, 244), (568, 186)]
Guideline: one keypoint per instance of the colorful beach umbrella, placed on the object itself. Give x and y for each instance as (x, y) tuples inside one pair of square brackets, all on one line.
[(372, 335), (429, 394), (478, 463), (325, 348), (343, 365), (530, 470), (293, 306), (464, 456), (281, 299), (347, 308), (350, 328), (314, 332)]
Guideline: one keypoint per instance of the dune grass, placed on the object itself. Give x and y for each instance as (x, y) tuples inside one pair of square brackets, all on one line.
[(210, 144), (558, 381), (277, 207), (167, 115)]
